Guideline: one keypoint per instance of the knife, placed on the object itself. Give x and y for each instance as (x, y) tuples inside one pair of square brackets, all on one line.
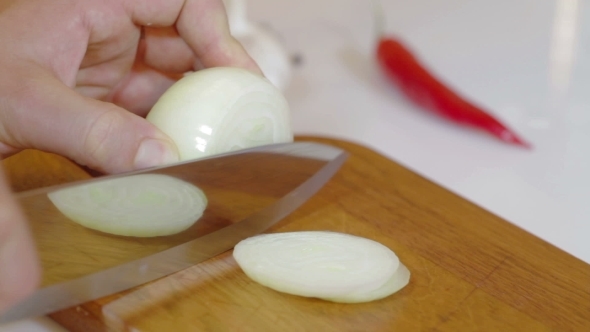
[(289, 173)]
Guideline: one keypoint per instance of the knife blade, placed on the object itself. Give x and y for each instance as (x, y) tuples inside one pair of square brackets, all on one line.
[(301, 167)]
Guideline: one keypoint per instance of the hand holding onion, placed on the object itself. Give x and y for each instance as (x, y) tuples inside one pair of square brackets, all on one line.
[(77, 77), (207, 112)]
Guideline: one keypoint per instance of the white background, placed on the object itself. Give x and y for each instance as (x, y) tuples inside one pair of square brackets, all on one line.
[(526, 61)]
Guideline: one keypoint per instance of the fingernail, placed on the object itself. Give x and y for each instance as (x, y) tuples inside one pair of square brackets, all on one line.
[(154, 152)]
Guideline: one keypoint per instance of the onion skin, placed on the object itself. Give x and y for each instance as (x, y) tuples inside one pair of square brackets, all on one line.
[(331, 266), (222, 109)]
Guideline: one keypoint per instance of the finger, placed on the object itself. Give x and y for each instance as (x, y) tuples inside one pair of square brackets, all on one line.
[(7, 150), (51, 117), (202, 24), (97, 78), (98, 81), (142, 87), (164, 50), (19, 266)]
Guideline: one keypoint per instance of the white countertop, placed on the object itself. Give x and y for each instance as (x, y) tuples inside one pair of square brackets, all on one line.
[(527, 61)]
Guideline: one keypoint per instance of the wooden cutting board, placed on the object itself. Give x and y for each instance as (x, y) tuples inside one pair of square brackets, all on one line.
[(471, 271)]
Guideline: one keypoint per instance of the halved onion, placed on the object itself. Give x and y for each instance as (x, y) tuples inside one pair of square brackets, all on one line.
[(143, 205), (328, 265), (222, 109)]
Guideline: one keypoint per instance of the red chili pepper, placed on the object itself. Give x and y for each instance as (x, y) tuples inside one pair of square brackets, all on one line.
[(427, 91)]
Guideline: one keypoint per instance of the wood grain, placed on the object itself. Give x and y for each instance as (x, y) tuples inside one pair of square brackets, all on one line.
[(471, 271), (236, 186)]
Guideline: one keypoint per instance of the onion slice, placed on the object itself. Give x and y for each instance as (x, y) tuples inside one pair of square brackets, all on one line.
[(327, 265), (222, 109), (143, 205)]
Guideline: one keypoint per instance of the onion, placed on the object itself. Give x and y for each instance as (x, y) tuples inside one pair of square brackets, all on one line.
[(327, 265), (143, 205), (222, 109)]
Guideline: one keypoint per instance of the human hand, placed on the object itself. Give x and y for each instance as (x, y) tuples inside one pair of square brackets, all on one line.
[(62, 59), (19, 271), (77, 77)]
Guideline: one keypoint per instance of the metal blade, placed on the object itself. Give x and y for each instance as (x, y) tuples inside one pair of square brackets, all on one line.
[(326, 160)]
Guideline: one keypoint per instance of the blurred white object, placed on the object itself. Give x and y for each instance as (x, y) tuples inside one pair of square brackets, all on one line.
[(525, 61), (38, 324), (261, 44)]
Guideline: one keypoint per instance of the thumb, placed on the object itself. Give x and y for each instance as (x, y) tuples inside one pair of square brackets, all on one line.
[(19, 266), (47, 115)]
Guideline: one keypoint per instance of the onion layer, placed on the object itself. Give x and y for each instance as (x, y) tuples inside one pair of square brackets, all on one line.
[(223, 109), (143, 205), (331, 266)]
